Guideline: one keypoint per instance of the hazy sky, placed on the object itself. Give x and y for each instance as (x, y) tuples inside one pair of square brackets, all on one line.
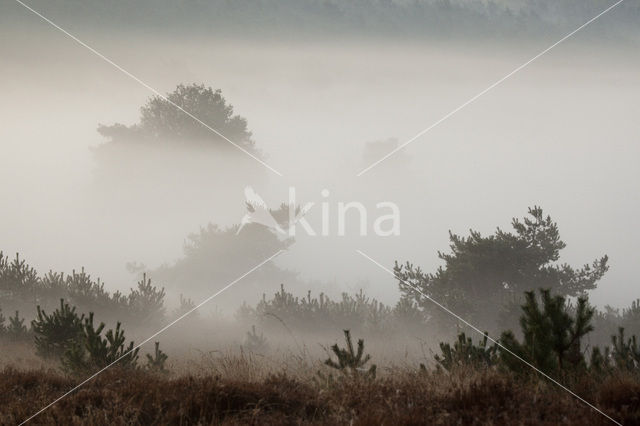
[(562, 133)]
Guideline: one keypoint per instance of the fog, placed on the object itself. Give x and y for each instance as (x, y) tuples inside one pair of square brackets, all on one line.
[(562, 133)]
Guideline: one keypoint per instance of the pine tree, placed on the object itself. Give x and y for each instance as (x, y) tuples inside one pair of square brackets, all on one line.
[(255, 342), (16, 330), (56, 333), (600, 362), (156, 362), (92, 351), (146, 302), (552, 336), (481, 271), (350, 361), (464, 353), (626, 354)]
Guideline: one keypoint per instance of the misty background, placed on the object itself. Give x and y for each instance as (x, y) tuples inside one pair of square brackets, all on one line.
[(323, 87)]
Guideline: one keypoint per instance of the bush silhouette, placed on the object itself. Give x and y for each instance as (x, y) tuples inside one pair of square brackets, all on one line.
[(625, 354), (465, 353), (56, 333), (255, 342), (16, 330), (156, 362), (92, 351), (349, 361), (552, 335)]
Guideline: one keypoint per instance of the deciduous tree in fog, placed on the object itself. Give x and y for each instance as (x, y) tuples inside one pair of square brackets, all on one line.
[(215, 256), (170, 172), (483, 278), (161, 120)]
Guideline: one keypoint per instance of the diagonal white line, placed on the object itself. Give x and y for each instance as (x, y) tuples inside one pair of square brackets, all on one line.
[(152, 336), (489, 337), (142, 83), (483, 92)]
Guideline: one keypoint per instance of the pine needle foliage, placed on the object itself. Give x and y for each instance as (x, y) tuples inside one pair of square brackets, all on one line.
[(57, 332), (16, 330), (625, 354), (156, 362), (349, 361), (552, 333), (465, 353), (93, 351), (146, 302)]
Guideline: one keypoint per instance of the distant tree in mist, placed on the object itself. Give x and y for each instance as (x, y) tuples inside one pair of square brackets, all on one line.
[(160, 120), (169, 169), (484, 278), (215, 256)]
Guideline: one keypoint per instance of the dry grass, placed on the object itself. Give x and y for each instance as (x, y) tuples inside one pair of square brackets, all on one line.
[(400, 396)]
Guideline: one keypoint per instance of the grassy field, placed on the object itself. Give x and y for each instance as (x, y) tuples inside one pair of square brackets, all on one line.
[(397, 396)]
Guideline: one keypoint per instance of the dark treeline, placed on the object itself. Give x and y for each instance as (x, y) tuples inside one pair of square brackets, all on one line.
[(434, 18)]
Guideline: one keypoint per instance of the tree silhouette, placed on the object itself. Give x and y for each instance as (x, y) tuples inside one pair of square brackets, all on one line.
[(485, 276), (162, 121), (351, 361)]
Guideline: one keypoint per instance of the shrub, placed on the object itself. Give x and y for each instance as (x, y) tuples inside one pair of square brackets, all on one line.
[(552, 336), (186, 305), (255, 342), (84, 292), (350, 362), (464, 353), (631, 317), (317, 313), (625, 354), (19, 282), (56, 333), (16, 330), (155, 363), (146, 303), (600, 362), (92, 351), (22, 288)]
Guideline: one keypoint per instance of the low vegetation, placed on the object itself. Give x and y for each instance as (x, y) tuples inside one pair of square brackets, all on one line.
[(479, 383), (495, 378), (401, 396)]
